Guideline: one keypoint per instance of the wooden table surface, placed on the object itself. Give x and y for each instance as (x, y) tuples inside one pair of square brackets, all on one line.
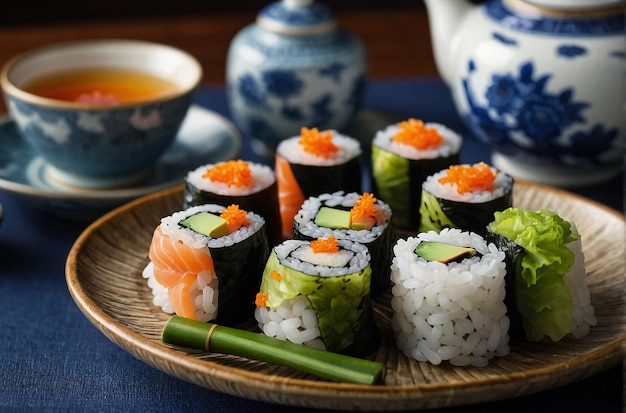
[(397, 39)]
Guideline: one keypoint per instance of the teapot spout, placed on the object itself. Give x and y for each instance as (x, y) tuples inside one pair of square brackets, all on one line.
[(445, 18)]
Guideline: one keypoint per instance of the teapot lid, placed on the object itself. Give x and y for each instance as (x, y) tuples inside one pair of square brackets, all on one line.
[(579, 4), (296, 17)]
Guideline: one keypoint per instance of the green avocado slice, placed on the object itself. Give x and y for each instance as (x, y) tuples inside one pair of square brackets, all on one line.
[(333, 218), (207, 224), (444, 253)]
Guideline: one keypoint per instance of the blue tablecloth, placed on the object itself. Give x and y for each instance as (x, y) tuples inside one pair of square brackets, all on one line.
[(53, 359)]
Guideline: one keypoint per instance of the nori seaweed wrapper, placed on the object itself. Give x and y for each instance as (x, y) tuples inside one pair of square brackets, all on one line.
[(315, 179), (239, 268), (264, 203), (398, 182), (438, 213), (513, 257)]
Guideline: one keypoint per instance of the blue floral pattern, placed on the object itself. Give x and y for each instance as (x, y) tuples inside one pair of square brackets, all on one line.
[(521, 104), (571, 51), (591, 25), (282, 83), (286, 84)]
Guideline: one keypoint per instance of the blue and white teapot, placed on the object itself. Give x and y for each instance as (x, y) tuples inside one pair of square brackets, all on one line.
[(293, 67), (539, 81)]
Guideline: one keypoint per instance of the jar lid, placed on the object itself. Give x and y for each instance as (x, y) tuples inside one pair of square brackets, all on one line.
[(296, 17)]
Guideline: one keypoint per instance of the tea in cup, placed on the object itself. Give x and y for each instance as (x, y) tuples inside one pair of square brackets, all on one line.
[(100, 112)]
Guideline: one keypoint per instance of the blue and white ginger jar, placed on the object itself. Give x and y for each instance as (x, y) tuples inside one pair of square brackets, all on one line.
[(293, 68)]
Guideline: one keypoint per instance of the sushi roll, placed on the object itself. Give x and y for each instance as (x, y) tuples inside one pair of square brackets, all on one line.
[(403, 155), (465, 197), (448, 298), (547, 288), (357, 217), (250, 185), (206, 263), (317, 293), (314, 163)]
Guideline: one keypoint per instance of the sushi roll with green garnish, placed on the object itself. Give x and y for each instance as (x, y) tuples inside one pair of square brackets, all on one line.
[(547, 288), (403, 156), (464, 197), (317, 293)]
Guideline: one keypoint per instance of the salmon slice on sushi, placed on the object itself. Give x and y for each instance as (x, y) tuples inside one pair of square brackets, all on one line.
[(206, 263)]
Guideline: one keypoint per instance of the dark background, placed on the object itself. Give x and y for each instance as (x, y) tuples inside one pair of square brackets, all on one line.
[(30, 11)]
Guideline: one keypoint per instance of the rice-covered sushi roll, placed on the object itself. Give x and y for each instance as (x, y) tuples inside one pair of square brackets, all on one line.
[(354, 216), (250, 185), (317, 293), (547, 288), (206, 263), (403, 155), (448, 298), (464, 197), (314, 163)]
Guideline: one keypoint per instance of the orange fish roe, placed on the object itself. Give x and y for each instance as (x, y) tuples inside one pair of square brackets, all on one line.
[(329, 244), (364, 208), (276, 275), (260, 300), (470, 178), (232, 173), (413, 132), (235, 217), (318, 143)]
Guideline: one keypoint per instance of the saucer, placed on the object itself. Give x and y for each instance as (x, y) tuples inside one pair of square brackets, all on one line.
[(204, 137)]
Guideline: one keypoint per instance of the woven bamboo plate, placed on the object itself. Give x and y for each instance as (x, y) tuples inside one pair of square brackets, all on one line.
[(104, 277)]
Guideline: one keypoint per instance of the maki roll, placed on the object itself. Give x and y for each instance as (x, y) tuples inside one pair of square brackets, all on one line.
[(465, 197), (357, 217), (314, 163), (448, 298), (206, 263), (403, 155), (250, 185), (317, 293), (547, 288)]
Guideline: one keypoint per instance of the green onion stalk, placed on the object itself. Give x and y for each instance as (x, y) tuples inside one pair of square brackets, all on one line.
[(189, 333)]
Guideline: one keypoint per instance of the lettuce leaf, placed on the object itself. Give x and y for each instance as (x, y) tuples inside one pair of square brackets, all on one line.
[(543, 298)]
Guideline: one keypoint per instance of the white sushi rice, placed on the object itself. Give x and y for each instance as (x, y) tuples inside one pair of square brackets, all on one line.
[(451, 143), (359, 258), (204, 291), (583, 313), (263, 177), (452, 312), (294, 320), (291, 150), (305, 218), (502, 185)]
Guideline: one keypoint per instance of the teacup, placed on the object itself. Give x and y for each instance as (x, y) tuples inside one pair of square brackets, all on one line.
[(100, 112)]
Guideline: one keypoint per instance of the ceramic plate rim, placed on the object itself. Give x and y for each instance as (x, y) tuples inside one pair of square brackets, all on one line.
[(290, 390), (118, 194)]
